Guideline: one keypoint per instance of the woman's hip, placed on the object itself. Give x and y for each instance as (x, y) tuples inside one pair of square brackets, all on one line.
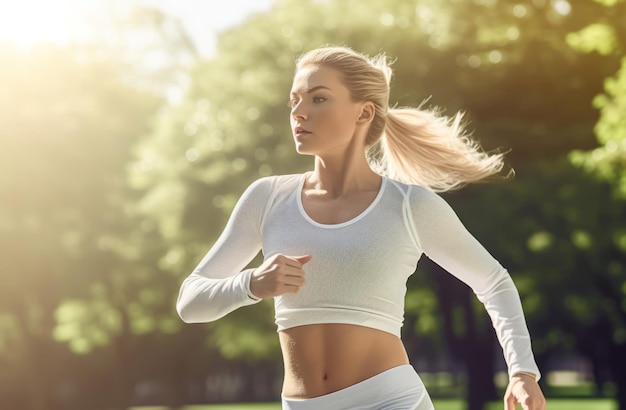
[(399, 388)]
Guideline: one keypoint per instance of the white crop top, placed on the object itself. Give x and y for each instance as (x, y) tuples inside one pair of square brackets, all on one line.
[(359, 268)]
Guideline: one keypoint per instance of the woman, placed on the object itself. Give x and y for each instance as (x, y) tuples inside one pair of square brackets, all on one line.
[(339, 243)]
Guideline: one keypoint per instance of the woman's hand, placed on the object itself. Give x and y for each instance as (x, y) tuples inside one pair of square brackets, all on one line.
[(523, 389), (277, 275)]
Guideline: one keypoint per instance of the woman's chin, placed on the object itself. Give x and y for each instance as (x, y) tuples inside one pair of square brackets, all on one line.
[(302, 149)]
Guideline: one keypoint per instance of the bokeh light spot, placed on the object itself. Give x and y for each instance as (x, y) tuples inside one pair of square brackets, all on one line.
[(260, 154), (562, 7), (192, 154), (218, 201), (239, 164), (387, 19), (539, 241), (190, 129), (252, 113), (495, 56), (265, 170), (474, 61), (519, 10), (512, 33)]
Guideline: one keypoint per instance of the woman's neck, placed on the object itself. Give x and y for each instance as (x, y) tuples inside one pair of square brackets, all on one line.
[(343, 175)]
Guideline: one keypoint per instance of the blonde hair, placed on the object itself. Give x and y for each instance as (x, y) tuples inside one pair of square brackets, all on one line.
[(411, 145)]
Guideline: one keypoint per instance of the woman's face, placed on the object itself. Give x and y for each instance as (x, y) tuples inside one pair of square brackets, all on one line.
[(323, 117)]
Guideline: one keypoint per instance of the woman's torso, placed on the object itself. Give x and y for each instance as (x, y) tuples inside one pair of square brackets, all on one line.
[(343, 326)]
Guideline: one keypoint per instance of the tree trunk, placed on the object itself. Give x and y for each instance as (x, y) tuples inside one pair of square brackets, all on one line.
[(474, 345), (122, 379), (33, 357), (480, 371), (38, 391), (593, 343), (618, 369)]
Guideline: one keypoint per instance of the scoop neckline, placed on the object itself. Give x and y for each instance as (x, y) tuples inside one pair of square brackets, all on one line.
[(357, 218)]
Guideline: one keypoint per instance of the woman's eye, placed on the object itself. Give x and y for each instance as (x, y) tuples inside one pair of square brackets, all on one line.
[(294, 101)]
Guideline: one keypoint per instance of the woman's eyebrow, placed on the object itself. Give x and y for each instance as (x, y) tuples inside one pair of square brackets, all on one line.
[(310, 90), (316, 88)]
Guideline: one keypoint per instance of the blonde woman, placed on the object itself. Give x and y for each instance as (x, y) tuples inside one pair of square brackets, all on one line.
[(340, 241)]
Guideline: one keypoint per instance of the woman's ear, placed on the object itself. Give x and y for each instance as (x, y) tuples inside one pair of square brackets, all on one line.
[(367, 113)]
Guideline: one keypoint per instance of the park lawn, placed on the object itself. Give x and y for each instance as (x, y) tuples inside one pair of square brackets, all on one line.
[(566, 404), (553, 404)]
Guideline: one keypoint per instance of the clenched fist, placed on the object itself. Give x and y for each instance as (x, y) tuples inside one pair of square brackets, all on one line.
[(277, 275)]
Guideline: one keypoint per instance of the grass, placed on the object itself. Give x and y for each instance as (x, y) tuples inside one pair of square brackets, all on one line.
[(553, 404)]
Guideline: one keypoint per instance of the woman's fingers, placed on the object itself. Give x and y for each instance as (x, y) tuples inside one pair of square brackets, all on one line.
[(293, 277), (277, 275), (523, 389)]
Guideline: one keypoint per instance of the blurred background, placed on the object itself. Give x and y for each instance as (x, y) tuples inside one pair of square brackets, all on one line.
[(128, 129)]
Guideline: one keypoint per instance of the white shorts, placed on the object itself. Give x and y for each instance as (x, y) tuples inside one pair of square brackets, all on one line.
[(399, 388)]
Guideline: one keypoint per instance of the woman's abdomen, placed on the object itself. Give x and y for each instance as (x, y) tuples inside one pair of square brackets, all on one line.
[(324, 358)]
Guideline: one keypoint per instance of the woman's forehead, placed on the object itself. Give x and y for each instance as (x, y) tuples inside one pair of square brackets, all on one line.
[(312, 77)]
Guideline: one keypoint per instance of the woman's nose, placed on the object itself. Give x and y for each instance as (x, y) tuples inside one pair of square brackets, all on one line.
[(298, 111)]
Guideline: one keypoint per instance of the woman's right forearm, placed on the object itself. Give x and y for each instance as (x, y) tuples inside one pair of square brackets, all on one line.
[(203, 299)]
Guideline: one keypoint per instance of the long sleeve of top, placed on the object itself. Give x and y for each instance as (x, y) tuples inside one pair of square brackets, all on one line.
[(447, 242), (359, 268), (217, 286)]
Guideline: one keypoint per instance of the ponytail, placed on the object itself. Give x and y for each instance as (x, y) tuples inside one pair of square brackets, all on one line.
[(424, 148)]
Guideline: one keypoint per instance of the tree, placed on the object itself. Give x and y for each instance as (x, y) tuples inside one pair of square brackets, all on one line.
[(66, 133), (607, 162)]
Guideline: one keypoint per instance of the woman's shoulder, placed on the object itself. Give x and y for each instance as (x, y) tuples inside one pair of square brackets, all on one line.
[(412, 190), (277, 180), (419, 197), (266, 186)]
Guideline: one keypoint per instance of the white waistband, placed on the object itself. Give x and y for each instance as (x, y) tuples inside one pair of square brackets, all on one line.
[(397, 388)]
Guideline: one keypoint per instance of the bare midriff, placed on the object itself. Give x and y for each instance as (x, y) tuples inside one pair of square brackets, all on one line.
[(324, 358)]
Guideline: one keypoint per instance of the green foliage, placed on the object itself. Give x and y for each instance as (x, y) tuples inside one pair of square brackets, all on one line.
[(67, 127), (609, 159), (241, 337), (595, 37), (52, 219), (607, 162), (609, 3)]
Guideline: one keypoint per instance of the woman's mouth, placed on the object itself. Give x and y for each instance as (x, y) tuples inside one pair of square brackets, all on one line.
[(299, 131)]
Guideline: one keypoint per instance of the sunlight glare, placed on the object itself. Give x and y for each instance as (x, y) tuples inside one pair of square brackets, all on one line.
[(30, 22)]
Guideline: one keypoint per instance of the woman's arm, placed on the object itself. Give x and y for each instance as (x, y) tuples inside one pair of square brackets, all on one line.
[(217, 286), (447, 242)]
